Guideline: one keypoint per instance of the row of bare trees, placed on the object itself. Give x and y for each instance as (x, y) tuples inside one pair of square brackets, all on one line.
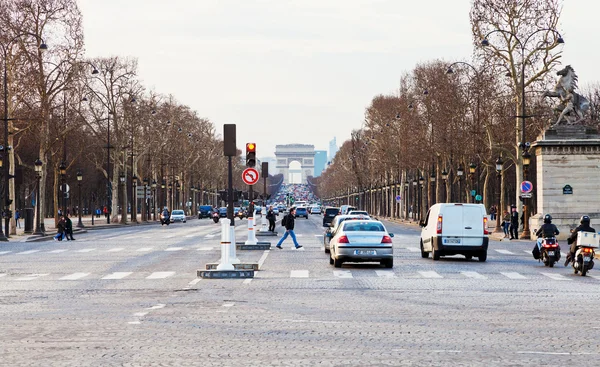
[(451, 115), (95, 116)]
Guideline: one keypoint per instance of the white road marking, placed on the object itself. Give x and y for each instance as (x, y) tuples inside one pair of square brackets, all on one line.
[(318, 235), (190, 236), (555, 276), (299, 235), (346, 274), (513, 275), (205, 248), (27, 252), (32, 276), (297, 249), (156, 307), (299, 274), (413, 249), (594, 276), (144, 249), (505, 252), (174, 248), (5, 252), (116, 249), (160, 275), (527, 252), (86, 250), (247, 281), (57, 251), (385, 273), (473, 275), (210, 236), (118, 275), (74, 276), (140, 314), (550, 353), (430, 274), (134, 322), (171, 236), (228, 304), (130, 237), (262, 259), (195, 281), (2, 275)]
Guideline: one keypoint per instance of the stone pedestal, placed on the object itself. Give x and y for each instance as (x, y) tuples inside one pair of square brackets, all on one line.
[(568, 177)]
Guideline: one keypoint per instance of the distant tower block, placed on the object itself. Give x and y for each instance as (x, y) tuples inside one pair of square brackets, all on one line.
[(303, 154)]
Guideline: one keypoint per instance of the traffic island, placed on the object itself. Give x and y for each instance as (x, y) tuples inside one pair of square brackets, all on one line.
[(262, 246), (237, 267), (265, 234), (225, 274)]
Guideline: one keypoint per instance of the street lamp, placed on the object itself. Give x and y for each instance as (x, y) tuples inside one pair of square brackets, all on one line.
[(421, 182), (414, 199), (145, 206), (445, 178), (79, 178), (134, 180), (123, 199), (499, 167), (472, 168), (170, 186), (526, 161), (39, 231), (63, 172), (164, 193), (433, 196), (153, 199), (459, 172)]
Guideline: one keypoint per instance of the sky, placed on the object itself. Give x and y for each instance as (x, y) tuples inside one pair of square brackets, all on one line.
[(302, 71)]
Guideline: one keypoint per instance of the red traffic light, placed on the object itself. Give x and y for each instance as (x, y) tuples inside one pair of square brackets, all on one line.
[(250, 147)]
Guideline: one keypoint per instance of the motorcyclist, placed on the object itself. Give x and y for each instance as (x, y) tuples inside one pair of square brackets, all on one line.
[(547, 230), (584, 226)]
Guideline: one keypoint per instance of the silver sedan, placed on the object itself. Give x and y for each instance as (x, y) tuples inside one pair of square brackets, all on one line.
[(361, 241), (335, 224)]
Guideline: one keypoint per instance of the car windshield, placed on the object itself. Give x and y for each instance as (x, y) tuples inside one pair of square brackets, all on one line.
[(177, 212), (355, 226)]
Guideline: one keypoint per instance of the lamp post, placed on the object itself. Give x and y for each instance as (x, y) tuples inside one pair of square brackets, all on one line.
[(153, 199), (433, 193), (445, 179), (164, 194), (414, 200), (62, 169), (459, 172), (170, 186), (406, 184), (39, 231), (134, 180), (472, 168), (123, 199), (526, 161), (421, 182), (499, 167), (145, 205), (79, 179)]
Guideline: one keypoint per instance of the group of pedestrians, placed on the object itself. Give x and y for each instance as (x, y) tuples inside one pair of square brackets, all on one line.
[(64, 229), (510, 223)]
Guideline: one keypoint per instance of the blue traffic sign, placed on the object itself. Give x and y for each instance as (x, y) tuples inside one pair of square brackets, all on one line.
[(526, 187)]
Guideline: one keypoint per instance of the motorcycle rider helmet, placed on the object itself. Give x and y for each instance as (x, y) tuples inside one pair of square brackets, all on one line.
[(585, 220), (547, 218)]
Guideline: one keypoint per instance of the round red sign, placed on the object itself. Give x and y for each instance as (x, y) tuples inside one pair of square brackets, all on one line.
[(250, 176)]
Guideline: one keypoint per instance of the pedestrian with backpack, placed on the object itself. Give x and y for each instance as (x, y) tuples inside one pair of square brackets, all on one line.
[(288, 223)]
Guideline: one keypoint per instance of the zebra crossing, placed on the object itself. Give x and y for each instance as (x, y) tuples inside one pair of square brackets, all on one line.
[(5, 277), (108, 250)]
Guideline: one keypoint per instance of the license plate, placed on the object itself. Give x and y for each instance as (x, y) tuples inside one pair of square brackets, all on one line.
[(365, 252), (550, 253), (587, 258), (452, 240)]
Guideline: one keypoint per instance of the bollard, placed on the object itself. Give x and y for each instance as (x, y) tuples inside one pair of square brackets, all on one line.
[(251, 233), (225, 263), (263, 221), (232, 247)]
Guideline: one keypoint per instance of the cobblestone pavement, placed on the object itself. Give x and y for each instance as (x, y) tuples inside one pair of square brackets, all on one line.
[(130, 297)]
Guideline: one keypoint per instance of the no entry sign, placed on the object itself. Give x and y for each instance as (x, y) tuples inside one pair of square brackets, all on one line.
[(250, 176)]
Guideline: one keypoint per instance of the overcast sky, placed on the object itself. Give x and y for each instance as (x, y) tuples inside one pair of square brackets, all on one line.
[(298, 71)]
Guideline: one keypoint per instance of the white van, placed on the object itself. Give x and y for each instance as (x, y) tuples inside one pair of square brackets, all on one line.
[(455, 229)]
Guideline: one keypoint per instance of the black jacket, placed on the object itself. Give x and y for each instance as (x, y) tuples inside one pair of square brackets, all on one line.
[(270, 215), (68, 224), (289, 221), (514, 218), (547, 230), (581, 228)]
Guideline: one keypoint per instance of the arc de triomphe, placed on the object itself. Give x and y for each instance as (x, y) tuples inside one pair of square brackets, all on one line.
[(301, 153)]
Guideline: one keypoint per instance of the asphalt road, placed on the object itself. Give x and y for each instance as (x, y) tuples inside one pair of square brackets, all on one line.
[(129, 296)]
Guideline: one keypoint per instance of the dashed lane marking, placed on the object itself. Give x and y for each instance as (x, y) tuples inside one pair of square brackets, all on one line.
[(556, 276), (160, 275), (194, 282), (86, 250), (247, 281), (595, 276), (228, 304), (75, 276), (57, 251), (345, 274), (385, 273), (5, 252), (513, 275), (299, 274), (190, 236), (210, 236), (430, 274), (118, 275), (262, 259), (116, 249), (27, 252), (158, 306), (413, 249), (2, 275), (140, 314), (318, 235), (32, 276), (505, 252), (473, 275), (174, 249), (141, 249), (205, 248)]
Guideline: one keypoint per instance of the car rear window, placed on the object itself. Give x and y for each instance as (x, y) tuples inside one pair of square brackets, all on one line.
[(355, 226), (206, 207), (332, 211), (177, 212)]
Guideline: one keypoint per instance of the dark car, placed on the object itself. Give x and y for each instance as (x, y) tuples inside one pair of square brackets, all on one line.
[(205, 211), (329, 214), (301, 212)]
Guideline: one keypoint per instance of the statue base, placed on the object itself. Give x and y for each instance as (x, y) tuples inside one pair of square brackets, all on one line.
[(568, 172)]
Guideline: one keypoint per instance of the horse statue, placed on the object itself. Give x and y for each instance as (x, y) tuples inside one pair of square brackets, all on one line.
[(572, 105)]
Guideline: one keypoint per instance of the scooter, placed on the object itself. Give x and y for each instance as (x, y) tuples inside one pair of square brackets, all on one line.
[(165, 219), (215, 217), (550, 251)]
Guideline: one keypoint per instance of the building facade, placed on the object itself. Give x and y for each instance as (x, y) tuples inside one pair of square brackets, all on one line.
[(320, 162)]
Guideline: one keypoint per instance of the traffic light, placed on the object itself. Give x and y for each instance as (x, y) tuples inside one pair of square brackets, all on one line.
[(250, 155)]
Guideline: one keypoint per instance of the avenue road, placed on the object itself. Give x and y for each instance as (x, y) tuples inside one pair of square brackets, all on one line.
[(129, 296)]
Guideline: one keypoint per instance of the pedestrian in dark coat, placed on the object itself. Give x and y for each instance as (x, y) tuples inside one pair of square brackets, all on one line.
[(514, 223), (271, 219), (69, 228), (60, 229)]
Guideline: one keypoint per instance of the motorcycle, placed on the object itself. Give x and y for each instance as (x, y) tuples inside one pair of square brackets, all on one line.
[(215, 217), (165, 219), (584, 255), (240, 215), (550, 251)]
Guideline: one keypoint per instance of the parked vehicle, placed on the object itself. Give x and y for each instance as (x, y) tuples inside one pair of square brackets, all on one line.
[(335, 224), (205, 211), (453, 229), (361, 241), (178, 216), (345, 209), (583, 261), (301, 212), (329, 214)]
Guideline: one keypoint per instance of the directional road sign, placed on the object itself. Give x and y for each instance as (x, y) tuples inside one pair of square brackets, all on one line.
[(526, 187), (250, 176)]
